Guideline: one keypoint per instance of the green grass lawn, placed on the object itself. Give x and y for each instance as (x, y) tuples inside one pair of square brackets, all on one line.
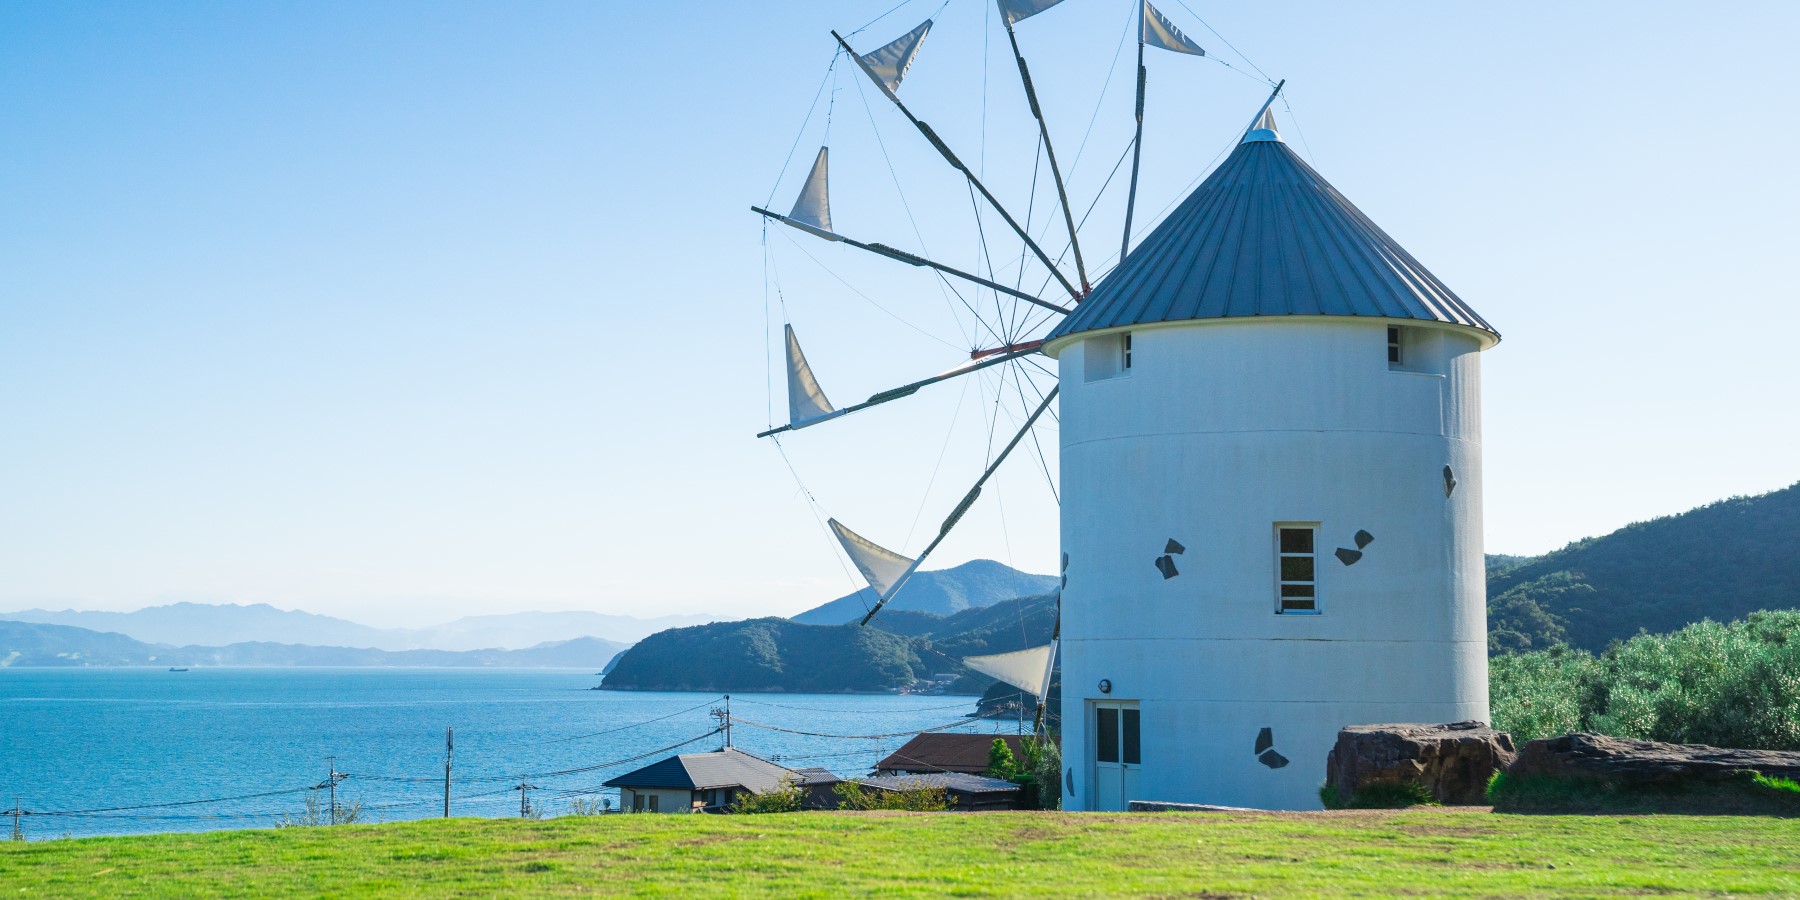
[(1367, 853)]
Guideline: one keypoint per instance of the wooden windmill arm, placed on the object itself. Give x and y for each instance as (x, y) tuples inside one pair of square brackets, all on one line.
[(913, 259), (983, 360), (960, 166)]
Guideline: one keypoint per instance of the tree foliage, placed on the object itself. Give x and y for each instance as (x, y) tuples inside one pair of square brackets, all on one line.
[(1728, 685), (854, 795), (789, 797)]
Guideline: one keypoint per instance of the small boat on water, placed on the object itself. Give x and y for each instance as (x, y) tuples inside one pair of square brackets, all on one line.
[(175, 669)]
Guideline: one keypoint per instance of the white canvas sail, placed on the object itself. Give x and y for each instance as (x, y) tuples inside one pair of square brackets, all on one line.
[(1155, 30), (888, 65), (1015, 10), (1028, 670), (806, 400), (881, 567), (812, 211)]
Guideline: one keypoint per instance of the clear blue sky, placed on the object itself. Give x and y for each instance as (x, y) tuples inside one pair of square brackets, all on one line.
[(402, 311)]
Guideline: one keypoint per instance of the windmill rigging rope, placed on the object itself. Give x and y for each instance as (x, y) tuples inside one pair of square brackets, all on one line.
[(1228, 43), (894, 174), (932, 482), (836, 54), (858, 737)]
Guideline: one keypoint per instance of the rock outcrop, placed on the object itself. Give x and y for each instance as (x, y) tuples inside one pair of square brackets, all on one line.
[(1598, 758), (1453, 762)]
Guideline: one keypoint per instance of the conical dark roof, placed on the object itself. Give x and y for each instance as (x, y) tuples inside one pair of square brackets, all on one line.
[(1265, 235)]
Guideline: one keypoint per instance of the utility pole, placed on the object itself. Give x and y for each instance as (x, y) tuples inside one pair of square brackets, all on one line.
[(331, 781), (724, 717), (449, 751), (18, 832), (525, 799)]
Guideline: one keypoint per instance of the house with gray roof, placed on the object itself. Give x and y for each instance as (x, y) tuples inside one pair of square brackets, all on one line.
[(966, 793), (711, 782)]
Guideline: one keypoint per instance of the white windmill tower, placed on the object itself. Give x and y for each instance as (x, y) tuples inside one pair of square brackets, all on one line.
[(1271, 495), (1270, 471)]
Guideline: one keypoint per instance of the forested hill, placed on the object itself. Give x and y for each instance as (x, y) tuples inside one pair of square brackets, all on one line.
[(1721, 562), (782, 655), (945, 592), (776, 655)]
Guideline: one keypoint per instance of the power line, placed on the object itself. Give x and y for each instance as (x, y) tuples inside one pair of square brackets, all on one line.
[(860, 737), (635, 725)]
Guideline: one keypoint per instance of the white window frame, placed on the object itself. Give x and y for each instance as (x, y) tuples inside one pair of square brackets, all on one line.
[(1396, 344), (1282, 583)]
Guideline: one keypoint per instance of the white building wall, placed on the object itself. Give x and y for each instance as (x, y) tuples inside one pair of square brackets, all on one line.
[(1219, 430), (668, 801)]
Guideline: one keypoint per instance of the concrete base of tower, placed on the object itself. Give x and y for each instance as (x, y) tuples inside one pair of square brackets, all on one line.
[(1259, 755)]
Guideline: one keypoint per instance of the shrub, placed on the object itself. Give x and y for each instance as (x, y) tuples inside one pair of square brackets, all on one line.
[(784, 799), (1386, 795), (314, 814), (1050, 776), (1001, 762), (915, 799), (1746, 794), (1728, 685)]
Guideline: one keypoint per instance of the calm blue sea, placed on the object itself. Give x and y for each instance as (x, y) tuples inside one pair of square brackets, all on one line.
[(76, 745)]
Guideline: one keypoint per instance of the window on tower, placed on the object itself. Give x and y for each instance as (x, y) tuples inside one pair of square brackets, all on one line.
[(1296, 576), (1106, 356), (1395, 355)]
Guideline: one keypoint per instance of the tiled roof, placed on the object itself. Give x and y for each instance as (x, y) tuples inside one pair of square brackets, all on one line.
[(960, 782), (944, 752)]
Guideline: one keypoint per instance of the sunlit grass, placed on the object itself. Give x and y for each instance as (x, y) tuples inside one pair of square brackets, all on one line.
[(1434, 852)]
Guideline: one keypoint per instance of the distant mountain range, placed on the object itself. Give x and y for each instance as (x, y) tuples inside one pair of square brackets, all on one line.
[(210, 624), (944, 592), (32, 644)]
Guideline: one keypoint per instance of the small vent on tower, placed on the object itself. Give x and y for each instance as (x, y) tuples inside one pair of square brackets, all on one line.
[(1166, 565), (1449, 481), (1265, 749)]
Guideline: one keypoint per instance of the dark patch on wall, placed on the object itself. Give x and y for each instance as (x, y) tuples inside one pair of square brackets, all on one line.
[(1347, 556), (1449, 481), (1264, 740), (1069, 780), (1364, 539), (1166, 565), (1174, 546), (1271, 759)]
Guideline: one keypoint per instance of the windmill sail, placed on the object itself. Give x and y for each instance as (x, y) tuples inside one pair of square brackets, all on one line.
[(887, 65), (1028, 670), (881, 567), (1013, 11), (1155, 30), (812, 210), (806, 400)]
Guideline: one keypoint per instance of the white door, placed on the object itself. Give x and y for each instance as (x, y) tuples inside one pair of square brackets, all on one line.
[(1116, 753)]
